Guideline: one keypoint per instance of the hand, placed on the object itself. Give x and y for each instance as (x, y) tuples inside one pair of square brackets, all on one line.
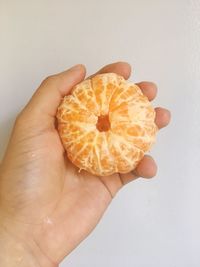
[(46, 204)]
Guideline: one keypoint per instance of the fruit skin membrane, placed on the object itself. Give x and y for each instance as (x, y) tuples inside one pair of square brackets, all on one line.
[(106, 125)]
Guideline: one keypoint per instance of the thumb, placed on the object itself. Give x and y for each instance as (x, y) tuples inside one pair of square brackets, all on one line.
[(43, 105)]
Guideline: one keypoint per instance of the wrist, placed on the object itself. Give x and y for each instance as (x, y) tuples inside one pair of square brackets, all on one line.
[(16, 252)]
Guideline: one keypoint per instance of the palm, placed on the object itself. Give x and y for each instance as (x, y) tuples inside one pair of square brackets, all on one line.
[(67, 200), (62, 201), (77, 203)]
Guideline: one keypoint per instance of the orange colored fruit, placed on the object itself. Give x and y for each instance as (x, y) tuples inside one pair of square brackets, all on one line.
[(106, 125)]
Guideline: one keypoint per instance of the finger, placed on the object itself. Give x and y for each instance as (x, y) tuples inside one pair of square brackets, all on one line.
[(43, 104), (120, 68), (112, 183), (163, 117), (147, 168), (149, 89)]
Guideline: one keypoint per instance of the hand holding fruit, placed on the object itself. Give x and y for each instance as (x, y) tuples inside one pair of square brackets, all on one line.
[(47, 206)]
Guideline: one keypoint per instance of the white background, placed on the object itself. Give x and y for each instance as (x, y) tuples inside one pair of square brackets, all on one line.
[(150, 223)]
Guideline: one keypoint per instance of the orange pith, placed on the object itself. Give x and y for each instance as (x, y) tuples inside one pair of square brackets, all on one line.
[(106, 125)]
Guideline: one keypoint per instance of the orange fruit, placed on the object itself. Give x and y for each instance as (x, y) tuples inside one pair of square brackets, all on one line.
[(106, 125)]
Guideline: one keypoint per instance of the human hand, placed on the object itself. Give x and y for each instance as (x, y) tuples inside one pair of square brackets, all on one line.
[(46, 206)]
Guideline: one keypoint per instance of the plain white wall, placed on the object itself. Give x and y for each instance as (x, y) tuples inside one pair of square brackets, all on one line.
[(151, 223)]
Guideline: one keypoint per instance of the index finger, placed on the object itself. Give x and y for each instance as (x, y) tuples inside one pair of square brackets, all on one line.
[(120, 68)]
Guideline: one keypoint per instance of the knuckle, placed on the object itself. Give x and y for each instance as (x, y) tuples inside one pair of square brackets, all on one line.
[(20, 118), (49, 79)]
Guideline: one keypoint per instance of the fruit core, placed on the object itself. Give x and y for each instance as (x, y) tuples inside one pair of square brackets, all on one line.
[(103, 123)]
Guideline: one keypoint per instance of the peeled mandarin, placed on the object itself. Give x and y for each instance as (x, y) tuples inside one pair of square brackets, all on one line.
[(106, 125)]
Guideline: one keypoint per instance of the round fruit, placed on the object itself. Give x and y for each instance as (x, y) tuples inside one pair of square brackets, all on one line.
[(106, 125)]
